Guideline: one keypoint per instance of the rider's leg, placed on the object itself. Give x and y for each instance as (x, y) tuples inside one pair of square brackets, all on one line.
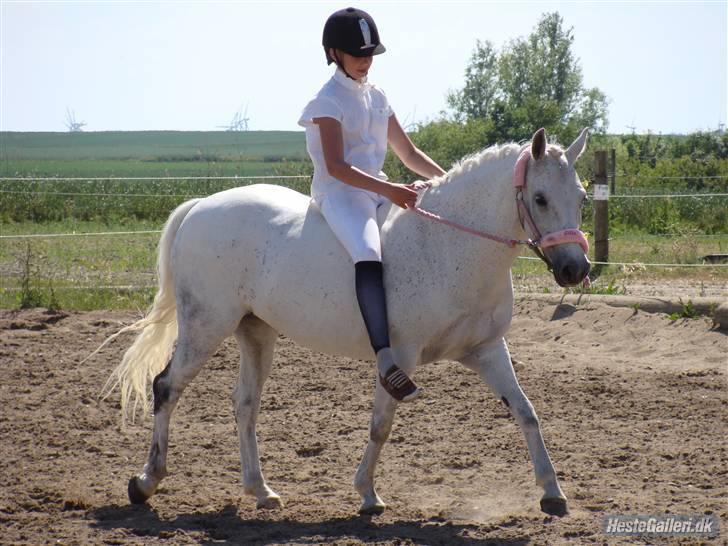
[(373, 305), (369, 280), (352, 216)]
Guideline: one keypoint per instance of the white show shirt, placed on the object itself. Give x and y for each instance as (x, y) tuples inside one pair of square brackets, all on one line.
[(363, 111)]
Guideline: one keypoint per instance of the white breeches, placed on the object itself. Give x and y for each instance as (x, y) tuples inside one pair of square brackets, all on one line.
[(352, 216)]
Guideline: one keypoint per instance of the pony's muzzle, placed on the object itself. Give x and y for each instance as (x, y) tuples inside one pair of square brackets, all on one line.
[(570, 264)]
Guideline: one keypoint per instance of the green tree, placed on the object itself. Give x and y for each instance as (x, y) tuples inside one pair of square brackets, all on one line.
[(481, 83), (533, 82)]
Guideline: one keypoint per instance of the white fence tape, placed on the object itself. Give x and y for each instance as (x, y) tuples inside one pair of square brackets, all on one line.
[(145, 178), (74, 234), (665, 195), (637, 264)]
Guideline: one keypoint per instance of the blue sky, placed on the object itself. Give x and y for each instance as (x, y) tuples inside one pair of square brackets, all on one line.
[(192, 65)]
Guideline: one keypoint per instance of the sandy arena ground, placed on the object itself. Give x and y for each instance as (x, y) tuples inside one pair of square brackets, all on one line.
[(633, 409)]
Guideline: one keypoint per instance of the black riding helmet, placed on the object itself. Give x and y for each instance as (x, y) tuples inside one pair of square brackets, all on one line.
[(352, 31)]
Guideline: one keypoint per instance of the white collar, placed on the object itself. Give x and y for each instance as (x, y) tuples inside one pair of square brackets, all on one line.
[(341, 77)]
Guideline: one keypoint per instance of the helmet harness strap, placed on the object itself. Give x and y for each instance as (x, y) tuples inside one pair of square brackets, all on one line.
[(341, 64)]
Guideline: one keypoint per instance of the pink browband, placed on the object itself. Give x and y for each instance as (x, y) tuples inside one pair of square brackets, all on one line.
[(550, 239)]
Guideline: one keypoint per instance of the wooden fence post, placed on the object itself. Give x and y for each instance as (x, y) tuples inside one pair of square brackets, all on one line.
[(613, 172), (601, 208)]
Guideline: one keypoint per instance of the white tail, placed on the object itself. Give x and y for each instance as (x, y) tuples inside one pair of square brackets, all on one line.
[(151, 350)]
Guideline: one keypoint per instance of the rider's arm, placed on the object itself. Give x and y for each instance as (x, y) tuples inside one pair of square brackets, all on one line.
[(332, 143), (413, 158)]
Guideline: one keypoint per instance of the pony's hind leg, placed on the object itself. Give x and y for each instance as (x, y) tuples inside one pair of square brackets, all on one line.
[(257, 341), (190, 354), (493, 364)]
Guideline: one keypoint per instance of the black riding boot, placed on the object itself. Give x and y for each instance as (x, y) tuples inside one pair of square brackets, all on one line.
[(373, 305)]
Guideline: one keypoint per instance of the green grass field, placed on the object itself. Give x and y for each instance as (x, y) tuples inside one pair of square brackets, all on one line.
[(117, 271), (151, 146)]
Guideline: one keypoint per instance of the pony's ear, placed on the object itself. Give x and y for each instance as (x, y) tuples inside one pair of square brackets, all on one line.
[(538, 144), (577, 147)]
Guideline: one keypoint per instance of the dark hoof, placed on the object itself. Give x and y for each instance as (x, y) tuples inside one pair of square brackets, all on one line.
[(136, 496), (270, 503), (374, 510), (554, 507)]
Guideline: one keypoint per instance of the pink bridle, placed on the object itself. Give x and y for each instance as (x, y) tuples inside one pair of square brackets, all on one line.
[(541, 241), (550, 239)]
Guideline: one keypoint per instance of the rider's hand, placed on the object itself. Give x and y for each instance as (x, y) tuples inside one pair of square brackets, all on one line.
[(402, 196), (419, 185)]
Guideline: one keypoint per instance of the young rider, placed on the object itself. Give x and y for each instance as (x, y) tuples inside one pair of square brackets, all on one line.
[(348, 126)]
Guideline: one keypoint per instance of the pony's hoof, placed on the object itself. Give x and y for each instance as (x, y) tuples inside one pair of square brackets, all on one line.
[(136, 495), (554, 506), (374, 509), (269, 503)]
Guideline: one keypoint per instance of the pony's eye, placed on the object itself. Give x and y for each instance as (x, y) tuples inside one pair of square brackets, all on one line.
[(540, 200)]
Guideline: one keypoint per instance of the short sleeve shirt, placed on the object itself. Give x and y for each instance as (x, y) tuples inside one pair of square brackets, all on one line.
[(363, 111)]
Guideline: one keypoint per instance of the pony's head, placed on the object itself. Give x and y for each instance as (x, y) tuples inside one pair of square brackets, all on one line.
[(554, 196)]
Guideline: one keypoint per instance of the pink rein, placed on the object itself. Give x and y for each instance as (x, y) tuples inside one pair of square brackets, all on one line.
[(542, 241)]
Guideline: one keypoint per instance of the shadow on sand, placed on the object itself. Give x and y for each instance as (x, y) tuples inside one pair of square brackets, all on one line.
[(226, 527)]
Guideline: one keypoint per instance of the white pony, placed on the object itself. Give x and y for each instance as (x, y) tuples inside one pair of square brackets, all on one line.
[(257, 261)]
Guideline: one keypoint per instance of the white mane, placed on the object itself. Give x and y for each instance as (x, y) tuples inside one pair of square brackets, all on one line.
[(476, 160)]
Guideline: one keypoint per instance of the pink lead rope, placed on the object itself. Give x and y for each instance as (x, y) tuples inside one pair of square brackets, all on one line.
[(497, 238)]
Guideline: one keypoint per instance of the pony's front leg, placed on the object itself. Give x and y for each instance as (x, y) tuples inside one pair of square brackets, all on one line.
[(493, 364), (379, 429)]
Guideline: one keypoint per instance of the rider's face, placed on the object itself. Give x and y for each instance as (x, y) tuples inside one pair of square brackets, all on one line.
[(356, 67)]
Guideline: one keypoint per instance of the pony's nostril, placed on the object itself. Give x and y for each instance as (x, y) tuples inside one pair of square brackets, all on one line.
[(567, 273)]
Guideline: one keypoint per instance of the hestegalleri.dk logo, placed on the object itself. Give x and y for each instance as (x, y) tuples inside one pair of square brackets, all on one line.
[(661, 525)]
